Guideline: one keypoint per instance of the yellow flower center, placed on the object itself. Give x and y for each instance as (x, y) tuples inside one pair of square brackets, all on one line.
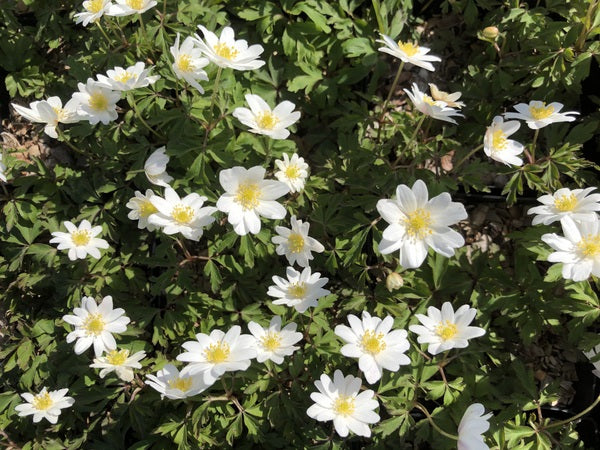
[(183, 384), (589, 246), (372, 343), (271, 341), (135, 4), (117, 357), (217, 353), (94, 6), (42, 402), (418, 224), (292, 172), (60, 113), (541, 112), (94, 324), (408, 48), (566, 202), (182, 214), (248, 195), (427, 99), (81, 237), (98, 101), (499, 140), (266, 120), (344, 405), (295, 242), (124, 77), (297, 290), (147, 208), (184, 63), (446, 330), (225, 51)]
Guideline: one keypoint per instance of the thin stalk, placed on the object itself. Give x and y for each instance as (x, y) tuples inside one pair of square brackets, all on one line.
[(389, 96), (143, 29), (377, 10), (104, 33), (535, 136), (215, 89), (268, 145), (164, 7), (64, 139), (572, 419), (418, 127), (471, 153), (139, 115), (433, 424)]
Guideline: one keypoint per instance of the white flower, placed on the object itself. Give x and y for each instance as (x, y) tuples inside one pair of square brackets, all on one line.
[(119, 79), (471, 428), (574, 203), (2, 170), (45, 405), (213, 355), (225, 51), (446, 97), (538, 115), (262, 120), (408, 52), (591, 355), (95, 324), (120, 362), (50, 112), (174, 384), (128, 7), (181, 215), (80, 241), (376, 347), (578, 250), (446, 329), (94, 9), (300, 290), (248, 196), (339, 400), (188, 62), (273, 342), (296, 244), (430, 107), (96, 103), (498, 147), (156, 168), (292, 171), (141, 208), (417, 223)]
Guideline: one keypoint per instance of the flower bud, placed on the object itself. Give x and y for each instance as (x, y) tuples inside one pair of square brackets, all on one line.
[(569, 54), (394, 281), (490, 33)]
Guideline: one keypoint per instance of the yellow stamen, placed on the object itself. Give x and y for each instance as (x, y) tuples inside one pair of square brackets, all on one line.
[(446, 330), (98, 101), (184, 63), (499, 141), (225, 51), (135, 4), (60, 113), (297, 290), (418, 224), (183, 384), (266, 120), (427, 99), (81, 237), (566, 202), (372, 343), (146, 208), (124, 77), (248, 195), (182, 214), (93, 6), (589, 246), (42, 402), (408, 48), (117, 357), (217, 353), (93, 324), (541, 112), (271, 341), (295, 242), (344, 405), (292, 172)]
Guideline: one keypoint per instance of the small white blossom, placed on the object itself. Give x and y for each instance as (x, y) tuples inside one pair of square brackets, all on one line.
[(96, 103), (300, 290), (129, 7), (155, 168), (292, 171), (262, 120), (591, 355), (174, 384), (225, 51), (80, 241), (408, 52), (273, 343), (45, 405), (94, 9), (433, 108), (141, 208), (2, 170), (295, 243), (50, 112), (538, 115), (120, 362), (471, 428), (188, 62), (449, 98), (498, 147), (133, 77), (573, 203)]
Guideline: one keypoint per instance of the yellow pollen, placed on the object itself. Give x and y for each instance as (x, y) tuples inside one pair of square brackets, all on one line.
[(372, 343), (418, 224), (266, 120), (292, 172), (184, 63), (93, 6), (182, 214), (541, 112), (566, 202), (589, 246), (42, 402), (225, 51), (297, 290), (271, 341), (146, 208), (117, 357), (93, 324), (135, 4), (344, 405), (217, 353), (295, 242), (248, 195), (81, 237), (427, 99), (446, 330), (408, 48), (98, 101), (499, 140), (60, 113), (183, 384), (124, 77)]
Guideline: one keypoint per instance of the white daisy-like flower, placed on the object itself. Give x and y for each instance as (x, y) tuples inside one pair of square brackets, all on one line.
[(292, 171), (120, 362), (45, 405), (446, 329), (94, 9), (136, 76), (574, 203), (96, 103), (433, 108), (188, 62), (95, 324), (376, 347), (80, 241), (578, 250), (181, 215), (2, 170), (449, 98), (339, 400), (225, 51), (471, 428), (417, 223), (273, 343), (538, 115), (408, 52), (51, 112), (248, 196), (213, 355), (129, 7), (498, 147), (155, 168), (295, 243), (141, 208), (176, 385), (591, 355), (300, 290), (262, 120)]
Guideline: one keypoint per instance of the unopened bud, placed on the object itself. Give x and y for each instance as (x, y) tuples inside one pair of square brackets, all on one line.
[(569, 54), (490, 33), (394, 281)]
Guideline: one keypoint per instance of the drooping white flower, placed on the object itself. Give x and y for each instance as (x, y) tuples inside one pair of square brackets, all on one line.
[(96, 103), (120, 362), (262, 120), (174, 384), (188, 62), (155, 168), (498, 147), (300, 290), (225, 51), (133, 77), (471, 428), (273, 343), (50, 112), (80, 241), (95, 324), (292, 171), (446, 329), (538, 115), (45, 405), (578, 250), (94, 9), (181, 215), (248, 196), (591, 355), (339, 400), (417, 223), (295, 243), (433, 108), (141, 208), (449, 98), (129, 7), (408, 52), (574, 203), (213, 355), (2, 170), (376, 347)]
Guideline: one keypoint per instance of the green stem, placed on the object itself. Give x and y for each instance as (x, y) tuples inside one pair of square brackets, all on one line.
[(389, 96), (131, 101), (268, 145), (64, 140), (414, 135), (438, 429), (471, 153), (215, 88), (572, 419), (377, 10), (143, 29), (535, 136), (104, 33)]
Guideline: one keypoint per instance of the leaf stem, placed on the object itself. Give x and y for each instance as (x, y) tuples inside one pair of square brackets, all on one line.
[(104, 34), (471, 153), (215, 89), (571, 419), (131, 101), (535, 136), (377, 10), (389, 96), (433, 424)]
